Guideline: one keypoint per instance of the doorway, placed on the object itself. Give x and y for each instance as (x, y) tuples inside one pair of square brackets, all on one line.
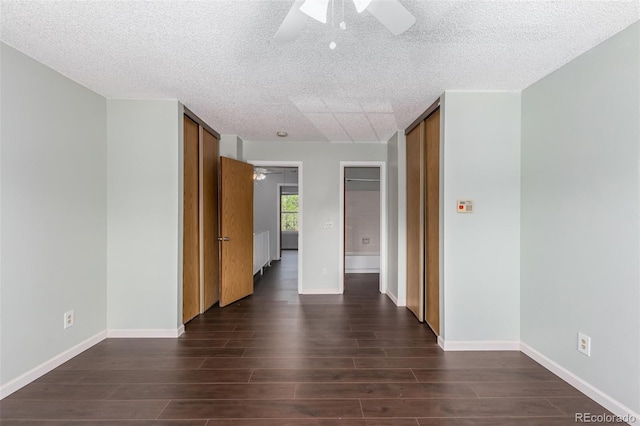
[(288, 226), (278, 212), (363, 218)]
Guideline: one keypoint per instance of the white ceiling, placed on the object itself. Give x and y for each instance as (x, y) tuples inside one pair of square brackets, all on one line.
[(219, 59)]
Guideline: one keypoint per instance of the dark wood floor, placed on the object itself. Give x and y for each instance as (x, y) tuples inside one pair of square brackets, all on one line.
[(276, 358)]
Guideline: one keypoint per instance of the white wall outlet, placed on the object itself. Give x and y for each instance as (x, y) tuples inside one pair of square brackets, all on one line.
[(328, 224), (68, 319), (584, 344)]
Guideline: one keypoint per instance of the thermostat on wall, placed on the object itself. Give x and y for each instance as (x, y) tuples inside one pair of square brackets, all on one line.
[(465, 206)]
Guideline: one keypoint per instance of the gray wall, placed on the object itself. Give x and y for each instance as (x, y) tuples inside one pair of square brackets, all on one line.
[(265, 205), (580, 220), (144, 228), (230, 146), (54, 213), (481, 258), (362, 222), (320, 177), (362, 209), (392, 217)]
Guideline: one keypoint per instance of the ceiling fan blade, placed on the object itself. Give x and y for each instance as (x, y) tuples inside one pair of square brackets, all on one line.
[(317, 9), (392, 15), (292, 24), (361, 5)]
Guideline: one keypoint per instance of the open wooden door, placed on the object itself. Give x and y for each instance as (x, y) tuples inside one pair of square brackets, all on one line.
[(236, 230)]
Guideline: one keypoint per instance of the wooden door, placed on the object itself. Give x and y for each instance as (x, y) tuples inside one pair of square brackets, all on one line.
[(191, 229), (432, 221), (210, 256), (236, 230), (415, 223)]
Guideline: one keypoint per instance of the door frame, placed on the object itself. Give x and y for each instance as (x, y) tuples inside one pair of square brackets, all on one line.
[(383, 221), (298, 165), (278, 197)]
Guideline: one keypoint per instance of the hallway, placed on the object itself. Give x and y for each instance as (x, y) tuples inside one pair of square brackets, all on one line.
[(352, 359)]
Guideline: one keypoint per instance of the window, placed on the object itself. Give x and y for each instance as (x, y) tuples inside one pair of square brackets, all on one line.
[(289, 212)]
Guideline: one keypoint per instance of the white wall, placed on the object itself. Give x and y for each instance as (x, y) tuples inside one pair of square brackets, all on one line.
[(580, 216), (397, 219), (144, 222), (230, 146), (392, 217), (321, 180), (362, 221), (265, 205), (481, 275), (54, 217)]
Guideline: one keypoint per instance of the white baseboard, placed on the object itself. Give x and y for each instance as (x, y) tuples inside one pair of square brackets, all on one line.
[(42, 369), (332, 290), (591, 391), (395, 300), (362, 271), (441, 342), (486, 345), (146, 333), (393, 297)]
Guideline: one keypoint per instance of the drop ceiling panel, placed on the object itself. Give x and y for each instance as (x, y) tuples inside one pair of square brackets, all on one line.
[(335, 104), (329, 127), (309, 104), (381, 124), (358, 127)]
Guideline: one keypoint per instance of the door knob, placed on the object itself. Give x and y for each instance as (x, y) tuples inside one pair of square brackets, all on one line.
[(223, 238)]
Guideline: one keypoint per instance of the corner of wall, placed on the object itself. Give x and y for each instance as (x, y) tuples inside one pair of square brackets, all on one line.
[(240, 149)]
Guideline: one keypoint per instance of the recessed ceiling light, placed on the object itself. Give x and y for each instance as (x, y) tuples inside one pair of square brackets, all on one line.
[(282, 134)]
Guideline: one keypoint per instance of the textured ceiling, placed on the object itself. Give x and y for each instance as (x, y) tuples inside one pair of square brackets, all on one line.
[(219, 59)]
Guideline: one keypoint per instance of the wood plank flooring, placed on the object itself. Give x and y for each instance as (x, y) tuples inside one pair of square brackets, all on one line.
[(277, 358)]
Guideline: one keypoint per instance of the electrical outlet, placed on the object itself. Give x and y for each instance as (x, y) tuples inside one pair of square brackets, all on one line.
[(584, 344), (68, 319)]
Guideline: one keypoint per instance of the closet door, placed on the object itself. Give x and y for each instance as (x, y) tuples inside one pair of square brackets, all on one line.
[(209, 219), (415, 222), (191, 229), (432, 221)]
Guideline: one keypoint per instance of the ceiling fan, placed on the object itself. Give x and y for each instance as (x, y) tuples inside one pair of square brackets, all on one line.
[(260, 173), (390, 13)]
